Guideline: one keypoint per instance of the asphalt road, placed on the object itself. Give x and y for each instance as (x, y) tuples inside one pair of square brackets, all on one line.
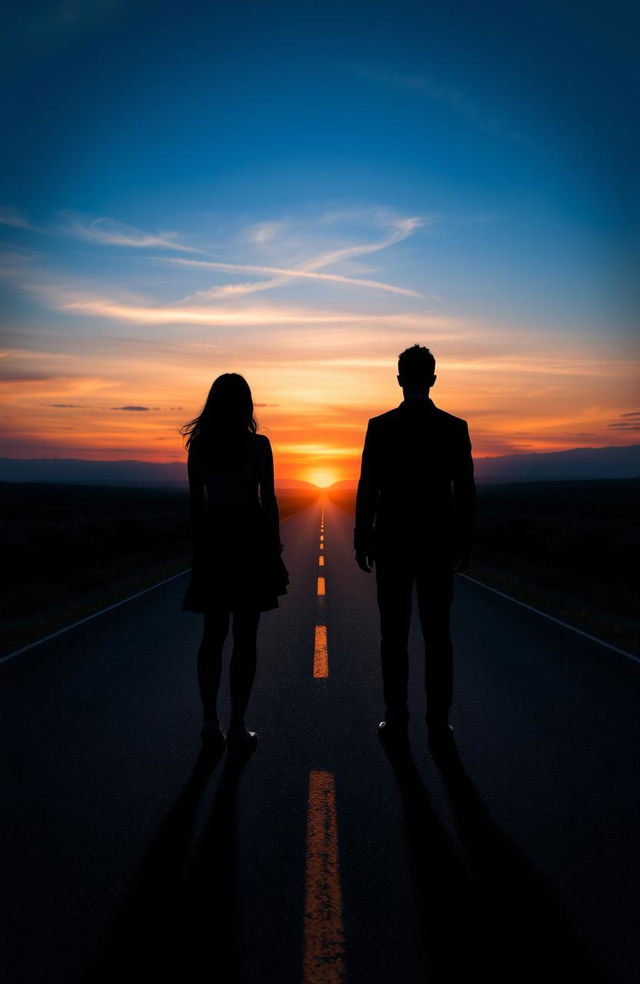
[(321, 857)]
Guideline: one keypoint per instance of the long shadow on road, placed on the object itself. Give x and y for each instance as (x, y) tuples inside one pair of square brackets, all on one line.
[(484, 911), (180, 919)]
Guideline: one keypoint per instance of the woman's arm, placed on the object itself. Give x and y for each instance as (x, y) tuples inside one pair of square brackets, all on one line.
[(196, 491), (267, 490)]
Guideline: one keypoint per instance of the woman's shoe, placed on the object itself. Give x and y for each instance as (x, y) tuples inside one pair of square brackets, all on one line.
[(242, 736), (212, 733)]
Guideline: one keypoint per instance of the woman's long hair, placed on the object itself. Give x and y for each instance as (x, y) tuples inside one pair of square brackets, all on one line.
[(220, 431)]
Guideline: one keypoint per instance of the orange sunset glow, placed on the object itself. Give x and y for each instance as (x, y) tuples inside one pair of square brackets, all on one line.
[(116, 331), (314, 390)]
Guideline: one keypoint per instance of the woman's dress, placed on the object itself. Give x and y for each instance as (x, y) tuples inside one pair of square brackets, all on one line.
[(237, 561)]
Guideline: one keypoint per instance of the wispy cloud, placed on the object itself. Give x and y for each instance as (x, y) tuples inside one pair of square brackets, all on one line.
[(108, 232), (261, 233), (11, 217), (132, 408), (265, 315), (105, 307), (103, 231), (627, 421), (100, 230), (320, 450), (399, 228), (15, 265), (16, 220), (282, 274), (236, 290)]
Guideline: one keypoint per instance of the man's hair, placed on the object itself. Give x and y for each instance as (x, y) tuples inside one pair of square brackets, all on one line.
[(416, 365)]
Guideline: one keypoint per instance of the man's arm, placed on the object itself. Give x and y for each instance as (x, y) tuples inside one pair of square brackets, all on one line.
[(366, 501), (464, 497)]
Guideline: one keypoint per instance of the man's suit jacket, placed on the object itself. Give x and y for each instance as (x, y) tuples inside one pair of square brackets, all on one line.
[(416, 485)]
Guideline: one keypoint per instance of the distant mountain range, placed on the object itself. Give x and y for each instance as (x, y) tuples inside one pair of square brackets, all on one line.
[(579, 463), (78, 471)]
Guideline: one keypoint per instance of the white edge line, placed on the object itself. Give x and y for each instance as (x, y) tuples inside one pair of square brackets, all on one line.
[(103, 611), (89, 618), (552, 618)]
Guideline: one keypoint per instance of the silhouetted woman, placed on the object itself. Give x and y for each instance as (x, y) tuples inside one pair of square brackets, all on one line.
[(237, 567)]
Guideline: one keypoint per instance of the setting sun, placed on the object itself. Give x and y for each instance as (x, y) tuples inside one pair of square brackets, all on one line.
[(322, 477)]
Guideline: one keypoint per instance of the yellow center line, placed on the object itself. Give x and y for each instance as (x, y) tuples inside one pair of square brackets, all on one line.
[(324, 951), (320, 654)]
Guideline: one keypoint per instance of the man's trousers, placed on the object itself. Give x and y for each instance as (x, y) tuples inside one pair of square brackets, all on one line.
[(397, 572)]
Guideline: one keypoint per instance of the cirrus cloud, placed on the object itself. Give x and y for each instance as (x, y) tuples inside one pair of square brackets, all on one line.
[(109, 232)]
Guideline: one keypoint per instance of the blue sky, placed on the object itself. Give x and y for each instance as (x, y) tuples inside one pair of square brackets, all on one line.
[(476, 160)]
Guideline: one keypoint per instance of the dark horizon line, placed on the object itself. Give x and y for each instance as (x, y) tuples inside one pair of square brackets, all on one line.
[(491, 457)]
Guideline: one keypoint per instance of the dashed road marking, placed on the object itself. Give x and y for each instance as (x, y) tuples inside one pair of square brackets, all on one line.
[(324, 949), (321, 654), (320, 651)]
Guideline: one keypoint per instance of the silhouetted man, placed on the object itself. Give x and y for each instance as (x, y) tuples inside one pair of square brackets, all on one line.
[(414, 519)]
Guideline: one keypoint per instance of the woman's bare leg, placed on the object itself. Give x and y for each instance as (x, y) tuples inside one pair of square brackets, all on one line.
[(216, 627), (243, 662)]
